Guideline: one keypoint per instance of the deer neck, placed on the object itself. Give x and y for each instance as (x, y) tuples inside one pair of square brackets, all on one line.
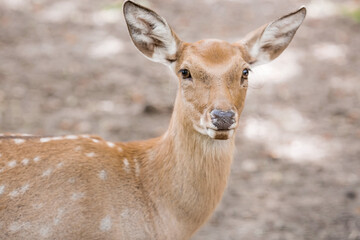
[(192, 170)]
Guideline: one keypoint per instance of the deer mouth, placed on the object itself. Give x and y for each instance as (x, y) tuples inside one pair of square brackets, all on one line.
[(220, 134)]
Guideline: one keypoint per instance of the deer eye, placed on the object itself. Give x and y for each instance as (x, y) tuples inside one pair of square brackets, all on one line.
[(185, 74), (245, 73)]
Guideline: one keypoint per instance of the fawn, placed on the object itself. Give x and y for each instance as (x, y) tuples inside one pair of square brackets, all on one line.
[(83, 187)]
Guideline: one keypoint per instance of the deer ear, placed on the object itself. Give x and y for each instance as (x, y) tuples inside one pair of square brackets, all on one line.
[(150, 33), (269, 41)]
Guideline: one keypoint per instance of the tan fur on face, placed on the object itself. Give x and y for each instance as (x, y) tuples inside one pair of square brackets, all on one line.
[(216, 68)]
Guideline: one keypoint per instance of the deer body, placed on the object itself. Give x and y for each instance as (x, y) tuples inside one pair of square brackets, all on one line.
[(82, 187)]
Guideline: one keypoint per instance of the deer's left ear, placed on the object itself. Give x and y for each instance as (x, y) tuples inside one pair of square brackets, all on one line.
[(269, 41)]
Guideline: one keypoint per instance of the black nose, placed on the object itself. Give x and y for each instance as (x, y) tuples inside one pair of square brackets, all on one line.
[(222, 119)]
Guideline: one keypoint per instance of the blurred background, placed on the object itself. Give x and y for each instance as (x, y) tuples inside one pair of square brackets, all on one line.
[(69, 67)]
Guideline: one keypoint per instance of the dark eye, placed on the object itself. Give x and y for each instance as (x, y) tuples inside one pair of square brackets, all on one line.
[(245, 72), (185, 74)]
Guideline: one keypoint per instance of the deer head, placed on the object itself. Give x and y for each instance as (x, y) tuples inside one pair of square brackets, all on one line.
[(213, 74)]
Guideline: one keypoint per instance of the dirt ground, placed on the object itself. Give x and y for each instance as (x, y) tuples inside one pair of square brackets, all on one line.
[(69, 67)]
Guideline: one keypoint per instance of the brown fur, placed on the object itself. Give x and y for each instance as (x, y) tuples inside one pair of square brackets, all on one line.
[(82, 187)]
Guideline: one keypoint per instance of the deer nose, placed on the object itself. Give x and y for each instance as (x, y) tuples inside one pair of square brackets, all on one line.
[(222, 119)]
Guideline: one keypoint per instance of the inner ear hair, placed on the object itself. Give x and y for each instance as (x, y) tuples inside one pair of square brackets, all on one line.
[(269, 41), (150, 33)]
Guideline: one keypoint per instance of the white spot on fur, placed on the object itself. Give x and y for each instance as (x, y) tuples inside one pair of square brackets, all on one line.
[(120, 149), (91, 154), (37, 205), (16, 226), (85, 136), (102, 175), (77, 196), (60, 213), (2, 187), (45, 139), (37, 159), (48, 139), (95, 140), (45, 231), (110, 144), (126, 165), (57, 138), (12, 164), (125, 213), (77, 149), (19, 140), (25, 161), (71, 180), (105, 224), (71, 137), (19, 191), (59, 165), (47, 173)]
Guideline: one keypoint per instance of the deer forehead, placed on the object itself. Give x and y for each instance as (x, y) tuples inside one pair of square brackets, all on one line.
[(212, 56)]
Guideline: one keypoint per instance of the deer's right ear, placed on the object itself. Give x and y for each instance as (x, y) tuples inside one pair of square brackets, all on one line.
[(150, 33)]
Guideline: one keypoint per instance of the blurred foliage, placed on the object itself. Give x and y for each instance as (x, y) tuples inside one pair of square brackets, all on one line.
[(114, 6), (354, 14), (117, 5)]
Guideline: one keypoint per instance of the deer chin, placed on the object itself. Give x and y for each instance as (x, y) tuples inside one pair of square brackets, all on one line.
[(220, 134)]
